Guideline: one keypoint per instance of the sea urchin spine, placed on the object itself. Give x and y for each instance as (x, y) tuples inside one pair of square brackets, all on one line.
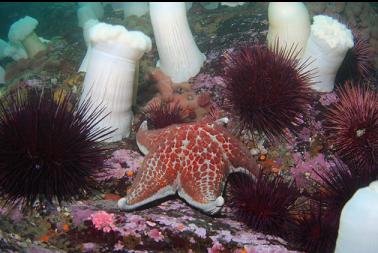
[(48, 150), (265, 202), (315, 229), (312, 230), (352, 126), (161, 114), (267, 88), (358, 62)]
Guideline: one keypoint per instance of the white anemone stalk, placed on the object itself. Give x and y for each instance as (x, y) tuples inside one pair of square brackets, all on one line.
[(135, 8), (109, 80), (23, 31), (358, 229), (96, 7), (86, 19), (289, 22), (86, 28), (3, 46), (179, 55), (327, 46), (15, 50)]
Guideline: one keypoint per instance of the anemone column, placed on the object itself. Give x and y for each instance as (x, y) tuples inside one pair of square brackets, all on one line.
[(109, 80), (16, 51), (179, 55), (86, 19), (23, 31), (134, 8), (290, 23), (327, 46), (358, 228)]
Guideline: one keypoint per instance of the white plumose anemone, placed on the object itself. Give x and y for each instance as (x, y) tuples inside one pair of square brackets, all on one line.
[(289, 22), (327, 46), (96, 7), (358, 228), (134, 8), (86, 19), (16, 51), (109, 80), (23, 31), (84, 14), (179, 55), (86, 28)]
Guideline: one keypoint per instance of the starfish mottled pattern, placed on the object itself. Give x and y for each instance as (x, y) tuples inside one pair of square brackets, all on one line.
[(191, 159)]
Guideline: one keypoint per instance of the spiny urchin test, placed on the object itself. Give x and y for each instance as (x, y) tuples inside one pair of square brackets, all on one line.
[(267, 89), (311, 230), (49, 150), (358, 62), (315, 229), (351, 125), (161, 114), (265, 203)]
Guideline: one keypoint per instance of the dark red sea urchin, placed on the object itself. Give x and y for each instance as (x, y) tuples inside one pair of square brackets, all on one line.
[(161, 114), (311, 230), (351, 126), (265, 203), (267, 89), (48, 150), (315, 229), (358, 62), (337, 185)]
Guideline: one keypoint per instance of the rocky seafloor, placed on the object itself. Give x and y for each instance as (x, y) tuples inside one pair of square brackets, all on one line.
[(172, 225)]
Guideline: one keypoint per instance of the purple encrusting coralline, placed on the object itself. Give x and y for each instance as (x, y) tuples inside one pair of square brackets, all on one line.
[(206, 81), (162, 222), (121, 163), (304, 166)]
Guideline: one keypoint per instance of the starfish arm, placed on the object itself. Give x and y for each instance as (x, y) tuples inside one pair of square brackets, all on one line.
[(147, 140), (238, 154), (202, 183), (154, 181)]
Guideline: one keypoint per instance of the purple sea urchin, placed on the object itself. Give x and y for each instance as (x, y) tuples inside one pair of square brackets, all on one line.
[(312, 231), (351, 125), (338, 184), (49, 150), (264, 203), (161, 114), (358, 62), (267, 89), (315, 229)]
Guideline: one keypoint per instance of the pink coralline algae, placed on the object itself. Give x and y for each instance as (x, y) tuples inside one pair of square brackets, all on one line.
[(305, 165), (217, 248), (156, 235), (118, 246), (14, 214), (103, 221), (327, 99), (122, 163), (89, 247), (80, 214), (201, 232), (133, 225), (305, 134), (207, 81)]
